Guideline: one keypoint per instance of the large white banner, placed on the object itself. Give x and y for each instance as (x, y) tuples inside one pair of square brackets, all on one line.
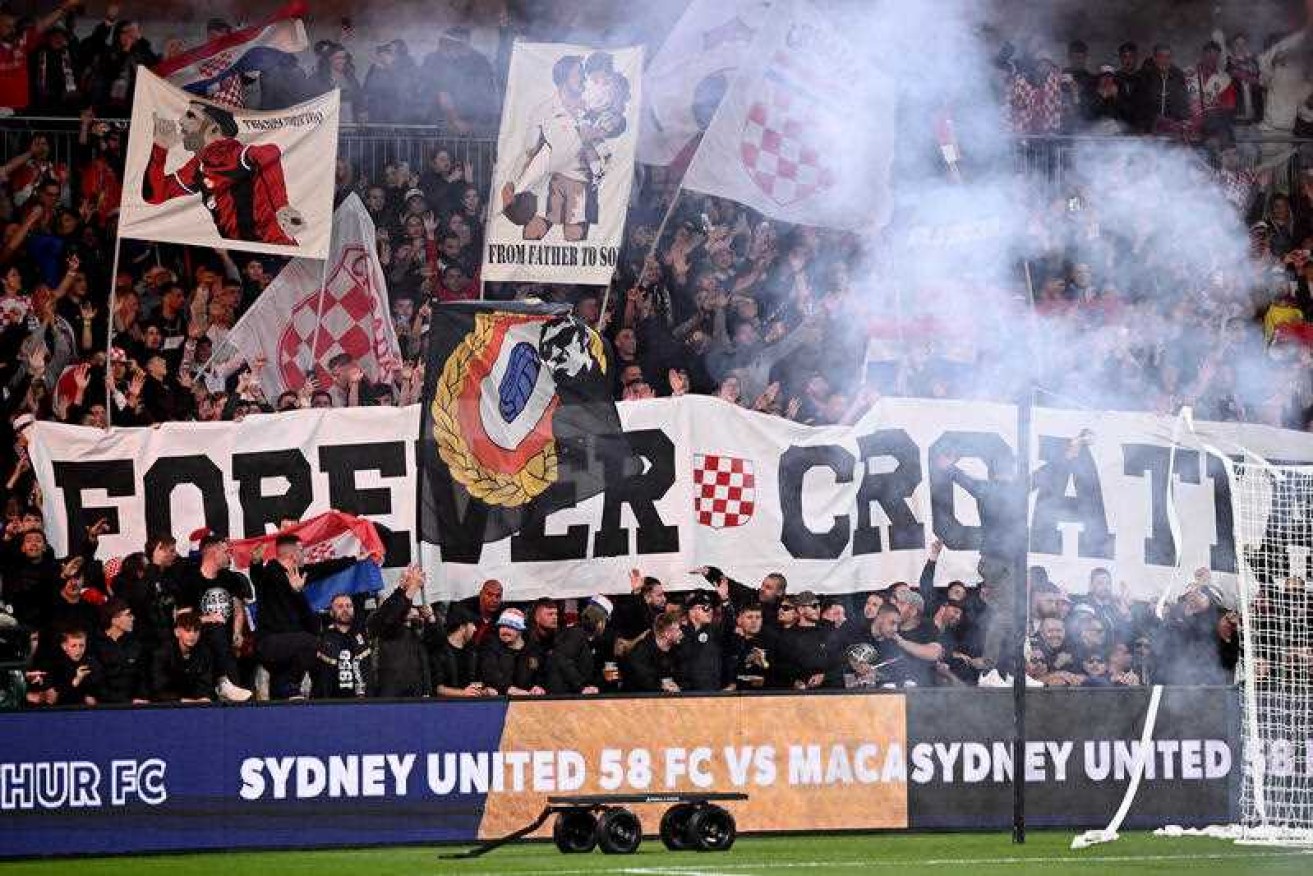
[(836, 509), (806, 132), (565, 164), (203, 174), (298, 327)]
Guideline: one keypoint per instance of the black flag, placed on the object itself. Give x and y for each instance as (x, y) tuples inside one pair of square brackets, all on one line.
[(517, 422)]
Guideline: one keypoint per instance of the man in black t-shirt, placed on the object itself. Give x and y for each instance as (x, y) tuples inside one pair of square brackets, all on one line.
[(218, 595)]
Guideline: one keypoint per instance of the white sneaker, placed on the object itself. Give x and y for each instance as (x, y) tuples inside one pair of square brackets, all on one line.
[(229, 692), (992, 678)]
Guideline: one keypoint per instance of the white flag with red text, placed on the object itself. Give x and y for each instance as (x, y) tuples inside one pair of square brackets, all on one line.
[(806, 132), (291, 318)]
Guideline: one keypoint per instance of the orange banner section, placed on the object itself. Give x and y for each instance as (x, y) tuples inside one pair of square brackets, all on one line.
[(805, 762)]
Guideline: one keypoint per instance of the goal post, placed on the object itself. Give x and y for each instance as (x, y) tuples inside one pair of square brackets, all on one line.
[(1272, 528), (1272, 507)]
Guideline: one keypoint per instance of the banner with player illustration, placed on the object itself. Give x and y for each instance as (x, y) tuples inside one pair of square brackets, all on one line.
[(569, 132), (202, 174)]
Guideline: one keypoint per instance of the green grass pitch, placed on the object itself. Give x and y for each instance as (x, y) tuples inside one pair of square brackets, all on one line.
[(978, 854)]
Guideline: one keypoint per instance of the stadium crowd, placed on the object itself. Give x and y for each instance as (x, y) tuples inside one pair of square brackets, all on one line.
[(159, 627), (710, 298)]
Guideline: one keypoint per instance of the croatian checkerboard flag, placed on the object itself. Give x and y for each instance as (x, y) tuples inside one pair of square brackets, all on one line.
[(214, 69), (297, 330), (805, 133), (329, 536)]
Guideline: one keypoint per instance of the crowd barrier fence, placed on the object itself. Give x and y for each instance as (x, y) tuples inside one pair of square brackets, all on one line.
[(300, 775)]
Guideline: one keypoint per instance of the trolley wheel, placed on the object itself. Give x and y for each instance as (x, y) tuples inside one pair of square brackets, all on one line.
[(674, 827), (575, 832), (711, 829), (619, 832)]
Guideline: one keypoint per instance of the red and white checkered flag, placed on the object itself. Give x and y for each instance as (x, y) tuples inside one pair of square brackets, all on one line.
[(725, 490), (805, 131), (298, 330)]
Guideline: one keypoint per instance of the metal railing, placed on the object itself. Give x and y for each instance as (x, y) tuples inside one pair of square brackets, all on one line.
[(368, 148), (371, 148)]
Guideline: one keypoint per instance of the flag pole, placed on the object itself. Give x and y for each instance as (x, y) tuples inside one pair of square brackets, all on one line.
[(109, 334), (319, 318)]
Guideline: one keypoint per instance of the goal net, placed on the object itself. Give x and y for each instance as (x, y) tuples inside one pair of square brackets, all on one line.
[(1273, 519)]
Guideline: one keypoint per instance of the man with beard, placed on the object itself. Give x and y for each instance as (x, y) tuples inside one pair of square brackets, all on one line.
[(805, 643), (341, 650), (243, 186), (506, 665), (767, 595), (635, 613), (451, 657)]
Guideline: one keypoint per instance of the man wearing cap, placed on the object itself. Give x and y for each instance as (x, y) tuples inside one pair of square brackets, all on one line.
[(242, 187), (505, 664), (805, 644), (699, 654), (451, 657), (917, 638), (575, 664)]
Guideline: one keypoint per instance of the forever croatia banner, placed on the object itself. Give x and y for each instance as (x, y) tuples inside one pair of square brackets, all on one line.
[(203, 174), (517, 421), (569, 132), (837, 509)]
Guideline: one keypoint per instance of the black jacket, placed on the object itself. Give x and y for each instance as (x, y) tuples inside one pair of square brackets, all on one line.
[(699, 659), (174, 677), (401, 667), (501, 668), (283, 609), (123, 669), (647, 665), (573, 664)]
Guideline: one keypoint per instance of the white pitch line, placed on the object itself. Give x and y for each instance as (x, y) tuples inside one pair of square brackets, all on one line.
[(736, 869)]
